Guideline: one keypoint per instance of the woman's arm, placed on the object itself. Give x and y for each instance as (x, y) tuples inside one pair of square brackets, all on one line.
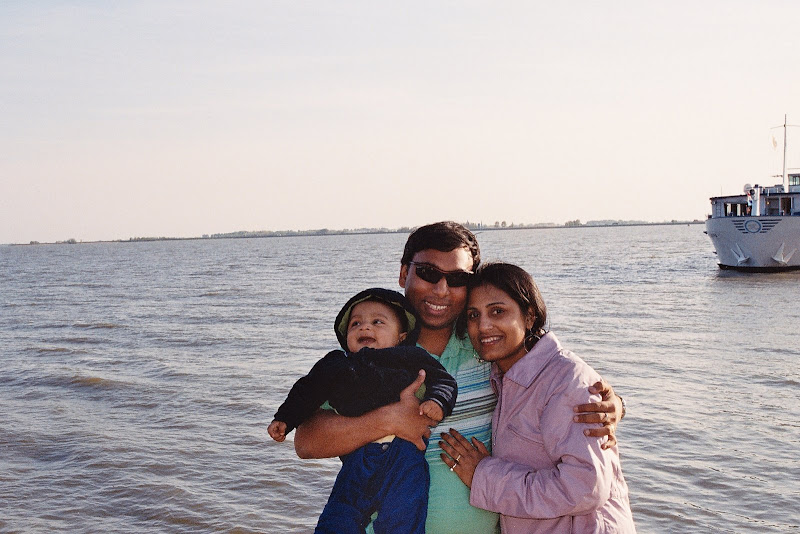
[(577, 480), (327, 434), (577, 483)]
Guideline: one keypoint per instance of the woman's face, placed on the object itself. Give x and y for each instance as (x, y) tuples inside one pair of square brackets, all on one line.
[(496, 326)]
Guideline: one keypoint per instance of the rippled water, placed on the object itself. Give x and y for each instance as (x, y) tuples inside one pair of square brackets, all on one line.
[(138, 378)]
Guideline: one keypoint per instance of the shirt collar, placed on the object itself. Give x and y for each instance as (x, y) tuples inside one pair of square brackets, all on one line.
[(455, 347)]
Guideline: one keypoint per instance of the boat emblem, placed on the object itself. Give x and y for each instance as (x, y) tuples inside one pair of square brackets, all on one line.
[(755, 226), (752, 226)]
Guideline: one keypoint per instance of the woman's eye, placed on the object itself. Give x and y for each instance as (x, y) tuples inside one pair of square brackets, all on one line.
[(471, 316)]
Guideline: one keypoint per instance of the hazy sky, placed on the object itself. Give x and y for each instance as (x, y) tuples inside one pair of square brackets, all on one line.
[(181, 118)]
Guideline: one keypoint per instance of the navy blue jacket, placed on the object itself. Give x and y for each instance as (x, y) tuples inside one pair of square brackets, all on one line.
[(354, 384)]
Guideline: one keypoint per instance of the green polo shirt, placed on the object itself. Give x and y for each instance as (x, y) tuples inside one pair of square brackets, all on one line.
[(449, 510)]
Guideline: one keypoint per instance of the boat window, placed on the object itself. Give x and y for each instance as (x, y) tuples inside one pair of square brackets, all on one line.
[(786, 206), (735, 210), (772, 206)]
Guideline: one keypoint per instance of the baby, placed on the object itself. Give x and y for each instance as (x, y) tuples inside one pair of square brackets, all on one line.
[(378, 329)]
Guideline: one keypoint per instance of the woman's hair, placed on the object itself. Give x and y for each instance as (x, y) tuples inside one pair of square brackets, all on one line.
[(517, 284), (442, 236)]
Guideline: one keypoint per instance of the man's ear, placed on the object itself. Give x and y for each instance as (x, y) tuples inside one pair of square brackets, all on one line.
[(403, 276)]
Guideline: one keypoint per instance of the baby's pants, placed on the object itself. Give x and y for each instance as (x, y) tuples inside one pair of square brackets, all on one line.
[(390, 478)]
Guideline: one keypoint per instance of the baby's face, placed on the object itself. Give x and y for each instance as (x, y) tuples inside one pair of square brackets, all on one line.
[(373, 324)]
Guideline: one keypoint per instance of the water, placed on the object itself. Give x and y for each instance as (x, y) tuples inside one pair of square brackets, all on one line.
[(138, 378)]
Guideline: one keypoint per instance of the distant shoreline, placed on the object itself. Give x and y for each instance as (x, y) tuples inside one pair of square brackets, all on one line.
[(367, 231)]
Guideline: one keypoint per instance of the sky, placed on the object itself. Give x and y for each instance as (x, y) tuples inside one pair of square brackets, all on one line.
[(169, 118)]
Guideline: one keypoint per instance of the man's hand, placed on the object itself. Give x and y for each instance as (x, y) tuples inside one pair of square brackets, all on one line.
[(404, 419), (607, 411), (327, 434)]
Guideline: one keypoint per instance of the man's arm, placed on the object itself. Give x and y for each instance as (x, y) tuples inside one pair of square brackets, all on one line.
[(607, 411), (328, 434)]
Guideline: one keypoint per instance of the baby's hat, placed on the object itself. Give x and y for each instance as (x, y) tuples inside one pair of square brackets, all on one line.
[(387, 296)]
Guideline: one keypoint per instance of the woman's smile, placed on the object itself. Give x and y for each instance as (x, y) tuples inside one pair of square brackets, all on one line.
[(490, 339)]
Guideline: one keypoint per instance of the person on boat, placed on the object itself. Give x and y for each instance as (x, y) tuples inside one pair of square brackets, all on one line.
[(435, 267), (377, 328), (543, 475)]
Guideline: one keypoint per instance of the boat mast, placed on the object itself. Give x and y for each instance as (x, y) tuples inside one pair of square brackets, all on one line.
[(785, 134)]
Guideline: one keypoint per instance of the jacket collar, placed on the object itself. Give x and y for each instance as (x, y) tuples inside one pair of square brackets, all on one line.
[(525, 371)]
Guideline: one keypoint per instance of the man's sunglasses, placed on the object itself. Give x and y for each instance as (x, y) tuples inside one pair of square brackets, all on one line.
[(432, 275)]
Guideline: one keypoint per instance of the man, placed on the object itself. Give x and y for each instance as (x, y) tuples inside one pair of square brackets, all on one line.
[(436, 262)]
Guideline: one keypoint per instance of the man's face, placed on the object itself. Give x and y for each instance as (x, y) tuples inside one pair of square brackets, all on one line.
[(438, 304)]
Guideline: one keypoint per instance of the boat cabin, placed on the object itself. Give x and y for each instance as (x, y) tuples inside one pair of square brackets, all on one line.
[(760, 201)]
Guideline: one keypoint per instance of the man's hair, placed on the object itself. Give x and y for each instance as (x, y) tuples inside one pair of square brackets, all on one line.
[(442, 236)]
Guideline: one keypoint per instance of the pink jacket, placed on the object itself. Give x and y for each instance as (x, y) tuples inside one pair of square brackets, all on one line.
[(544, 475)]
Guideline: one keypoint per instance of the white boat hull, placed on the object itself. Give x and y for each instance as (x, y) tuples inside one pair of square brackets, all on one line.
[(756, 243)]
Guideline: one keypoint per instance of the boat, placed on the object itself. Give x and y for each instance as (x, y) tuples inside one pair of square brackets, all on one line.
[(759, 229)]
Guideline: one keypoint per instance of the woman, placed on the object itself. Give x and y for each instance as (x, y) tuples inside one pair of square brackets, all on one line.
[(544, 475)]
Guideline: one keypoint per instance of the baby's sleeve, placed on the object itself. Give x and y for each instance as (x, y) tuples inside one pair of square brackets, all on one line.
[(309, 392), (440, 386)]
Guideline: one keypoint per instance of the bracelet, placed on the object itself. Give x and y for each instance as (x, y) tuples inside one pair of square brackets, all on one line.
[(624, 408)]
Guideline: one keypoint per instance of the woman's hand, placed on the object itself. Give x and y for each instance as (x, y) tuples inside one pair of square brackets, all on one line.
[(607, 411), (462, 456)]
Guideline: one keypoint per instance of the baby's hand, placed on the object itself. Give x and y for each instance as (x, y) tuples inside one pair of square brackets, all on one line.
[(277, 429), (432, 410)]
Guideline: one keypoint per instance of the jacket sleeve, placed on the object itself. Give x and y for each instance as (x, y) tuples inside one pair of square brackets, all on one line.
[(309, 392), (578, 482), (440, 386)]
